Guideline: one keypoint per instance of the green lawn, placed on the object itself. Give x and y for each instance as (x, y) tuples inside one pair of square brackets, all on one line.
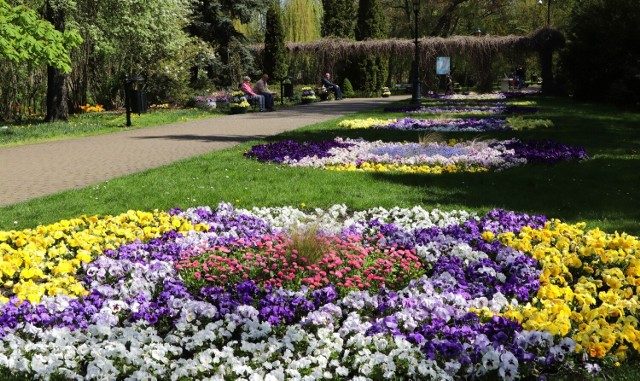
[(602, 191), (94, 123)]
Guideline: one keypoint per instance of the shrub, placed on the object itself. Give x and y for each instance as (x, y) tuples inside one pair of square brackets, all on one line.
[(347, 89)]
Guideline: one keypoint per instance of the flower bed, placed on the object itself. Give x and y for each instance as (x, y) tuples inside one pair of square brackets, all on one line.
[(438, 295), (441, 125), (238, 103), (486, 96), (308, 95), (464, 109), (433, 157)]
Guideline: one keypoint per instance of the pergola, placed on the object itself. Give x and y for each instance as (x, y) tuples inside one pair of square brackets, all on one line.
[(479, 49)]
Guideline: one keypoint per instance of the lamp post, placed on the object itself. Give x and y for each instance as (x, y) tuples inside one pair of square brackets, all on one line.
[(416, 67), (548, 11)]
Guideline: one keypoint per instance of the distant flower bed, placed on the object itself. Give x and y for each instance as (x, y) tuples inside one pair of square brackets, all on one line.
[(464, 109), (90, 108), (442, 125), (487, 96), (280, 293), (430, 157), (308, 95)]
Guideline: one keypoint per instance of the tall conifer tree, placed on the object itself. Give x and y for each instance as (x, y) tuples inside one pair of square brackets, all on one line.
[(275, 54), (338, 18), (371, 25)]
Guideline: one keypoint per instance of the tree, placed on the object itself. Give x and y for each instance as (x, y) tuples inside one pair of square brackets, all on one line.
[(337, 19), (126, 37), (275, 54), (57, 106), (25, 37), (371, 25), (371, 21), (213, 22), (302, 19), (602, 57)]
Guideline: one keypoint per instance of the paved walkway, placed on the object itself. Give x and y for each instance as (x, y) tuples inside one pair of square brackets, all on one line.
[(35, 170)]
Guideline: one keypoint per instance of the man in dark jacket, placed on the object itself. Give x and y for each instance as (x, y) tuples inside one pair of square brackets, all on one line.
[(330, 86)]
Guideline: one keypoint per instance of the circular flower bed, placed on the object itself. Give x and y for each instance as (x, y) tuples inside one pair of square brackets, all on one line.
[(399, 294), (433, 157), (441, 125), (464, 109)]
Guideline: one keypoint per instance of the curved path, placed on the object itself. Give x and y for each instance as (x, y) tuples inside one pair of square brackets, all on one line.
[(35, 170)]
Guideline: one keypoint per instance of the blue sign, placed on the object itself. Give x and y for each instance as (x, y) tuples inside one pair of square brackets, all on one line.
[(443, 65)]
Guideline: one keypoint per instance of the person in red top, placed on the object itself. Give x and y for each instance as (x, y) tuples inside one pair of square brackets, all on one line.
[(245, 87)]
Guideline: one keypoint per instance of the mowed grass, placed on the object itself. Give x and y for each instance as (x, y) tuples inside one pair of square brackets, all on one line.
[(602, 191), (94, 123)]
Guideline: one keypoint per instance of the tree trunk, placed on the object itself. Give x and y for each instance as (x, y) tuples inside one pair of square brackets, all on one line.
[(57, 107), (546, 70)]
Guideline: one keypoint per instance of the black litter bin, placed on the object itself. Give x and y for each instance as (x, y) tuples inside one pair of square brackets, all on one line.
[(138, 101), (287, 90), (135, 98)]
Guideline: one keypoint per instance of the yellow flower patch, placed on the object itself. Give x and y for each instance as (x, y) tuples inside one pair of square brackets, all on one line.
[(365, 123), (45, 260), (588, 287), (404, 168)]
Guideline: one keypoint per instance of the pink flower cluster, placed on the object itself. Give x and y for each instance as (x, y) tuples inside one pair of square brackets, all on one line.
[(271, 260)]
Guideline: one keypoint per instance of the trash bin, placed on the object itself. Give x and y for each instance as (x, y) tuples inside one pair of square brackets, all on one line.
[(135, 98), (138, 101), (287, 90)]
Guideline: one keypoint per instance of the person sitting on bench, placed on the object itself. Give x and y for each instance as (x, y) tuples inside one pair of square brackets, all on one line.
[(330, 86), (262, 88), (246, 88)]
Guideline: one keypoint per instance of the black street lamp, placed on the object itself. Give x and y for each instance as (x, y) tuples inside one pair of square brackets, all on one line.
[(548, 11), (416, 67)]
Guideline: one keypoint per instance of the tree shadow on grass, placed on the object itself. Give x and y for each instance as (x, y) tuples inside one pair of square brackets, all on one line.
[(603, 190)]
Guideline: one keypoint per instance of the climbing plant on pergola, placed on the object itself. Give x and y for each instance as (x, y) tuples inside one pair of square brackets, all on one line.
[(480, 50)]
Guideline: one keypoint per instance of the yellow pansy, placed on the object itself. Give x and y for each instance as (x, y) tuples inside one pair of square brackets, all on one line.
[(43, 260), (588, 286), (366, 123)]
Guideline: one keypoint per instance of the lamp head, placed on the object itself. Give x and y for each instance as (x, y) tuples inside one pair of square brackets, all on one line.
[(540, 2)]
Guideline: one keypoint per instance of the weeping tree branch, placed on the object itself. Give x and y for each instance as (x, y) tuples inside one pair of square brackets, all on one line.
[(480, 50)]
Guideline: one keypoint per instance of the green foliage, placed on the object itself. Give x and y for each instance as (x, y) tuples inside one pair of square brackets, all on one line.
[(337, 19), (371, 25), (371, 22), (302, 19), (213, 22), (25, 37), (601, 191), (519, 123), (275, 54), (347, 89), (602, 58)]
